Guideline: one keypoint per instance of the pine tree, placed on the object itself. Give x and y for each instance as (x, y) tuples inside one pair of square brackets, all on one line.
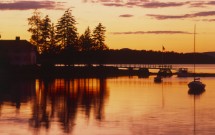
[(99, 37), (86, 40), (35, 29), (53, 48), (46, 28), (67, 36)]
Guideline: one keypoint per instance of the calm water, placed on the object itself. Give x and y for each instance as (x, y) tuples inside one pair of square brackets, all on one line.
[(106, 106)]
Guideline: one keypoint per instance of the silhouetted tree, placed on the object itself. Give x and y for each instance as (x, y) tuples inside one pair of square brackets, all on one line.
[(86, 41), (46, 29), (53, 48), (43, 33), (99, 37), (66, 32), (63, 39), (35, 29)]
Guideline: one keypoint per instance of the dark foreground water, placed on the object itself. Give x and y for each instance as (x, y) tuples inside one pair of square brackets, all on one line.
[(106, 106)]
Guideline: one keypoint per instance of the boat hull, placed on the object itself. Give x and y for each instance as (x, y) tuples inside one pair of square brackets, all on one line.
[(182, 72), (196, 87)]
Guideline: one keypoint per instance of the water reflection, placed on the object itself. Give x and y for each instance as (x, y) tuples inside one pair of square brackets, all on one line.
[(196, 93), (123, 105), (57, 100), (16, 92)]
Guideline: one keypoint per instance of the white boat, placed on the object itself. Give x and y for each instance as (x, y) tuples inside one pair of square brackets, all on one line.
[(196, 86)]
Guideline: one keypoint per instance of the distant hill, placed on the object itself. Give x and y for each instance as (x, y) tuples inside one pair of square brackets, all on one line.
[(210, 54), (128, 56)]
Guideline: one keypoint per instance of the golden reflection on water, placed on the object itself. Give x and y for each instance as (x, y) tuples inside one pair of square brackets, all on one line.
[(66, 98), (123, 105), (52, 103)]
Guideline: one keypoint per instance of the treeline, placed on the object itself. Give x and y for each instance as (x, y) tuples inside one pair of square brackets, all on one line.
[(61, 44), (157, 57), (61, 38), (126, 56)]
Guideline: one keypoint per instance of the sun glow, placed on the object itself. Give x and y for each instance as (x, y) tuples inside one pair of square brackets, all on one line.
[(138, 24)]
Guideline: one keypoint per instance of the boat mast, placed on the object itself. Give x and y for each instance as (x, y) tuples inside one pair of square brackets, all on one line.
[(194, 52), (162, 56)]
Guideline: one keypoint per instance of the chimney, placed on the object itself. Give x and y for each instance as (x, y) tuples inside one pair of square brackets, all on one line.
[(17, 38)]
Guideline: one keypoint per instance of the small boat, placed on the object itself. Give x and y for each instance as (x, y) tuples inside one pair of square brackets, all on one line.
[(165, 72), (182, 72), (158, 79), (196, 87)]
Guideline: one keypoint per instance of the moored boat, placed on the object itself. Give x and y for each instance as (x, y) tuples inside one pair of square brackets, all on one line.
[(182, 72), (158, 79), (196, 87)]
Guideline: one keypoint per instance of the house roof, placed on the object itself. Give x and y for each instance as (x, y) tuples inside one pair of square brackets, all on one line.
[(16, 45)]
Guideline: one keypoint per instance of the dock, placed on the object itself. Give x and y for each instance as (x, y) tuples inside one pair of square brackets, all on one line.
[(94, 70)]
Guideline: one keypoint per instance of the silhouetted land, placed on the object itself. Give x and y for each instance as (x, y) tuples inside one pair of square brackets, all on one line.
[(61, 44), (47, 71), (126, 56)]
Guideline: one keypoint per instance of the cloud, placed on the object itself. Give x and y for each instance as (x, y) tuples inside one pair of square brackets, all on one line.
[(207, 13), (126, 15), (27, 5), (113, 4), (209, 20), (197, 4), (211, 3), (202, 3), (155, 4), (198, 14), (152, 3), (150, 32), (137, 3), (164, 17)]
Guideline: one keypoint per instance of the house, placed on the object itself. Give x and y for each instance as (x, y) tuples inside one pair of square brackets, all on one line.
[(17, 52)]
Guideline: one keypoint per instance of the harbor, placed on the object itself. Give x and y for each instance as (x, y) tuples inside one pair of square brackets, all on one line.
[(107, 67)]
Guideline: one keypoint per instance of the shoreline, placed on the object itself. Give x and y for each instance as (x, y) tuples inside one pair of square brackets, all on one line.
[(79, 72)]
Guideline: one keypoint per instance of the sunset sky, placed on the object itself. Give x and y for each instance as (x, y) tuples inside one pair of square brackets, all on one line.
[(134, 24)]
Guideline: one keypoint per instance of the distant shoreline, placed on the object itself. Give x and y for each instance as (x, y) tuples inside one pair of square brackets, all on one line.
[(81, 72)]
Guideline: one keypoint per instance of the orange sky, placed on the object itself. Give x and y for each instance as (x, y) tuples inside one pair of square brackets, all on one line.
[(135, 24)]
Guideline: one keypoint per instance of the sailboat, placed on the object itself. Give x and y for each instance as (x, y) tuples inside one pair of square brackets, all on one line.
[(196, 86)]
